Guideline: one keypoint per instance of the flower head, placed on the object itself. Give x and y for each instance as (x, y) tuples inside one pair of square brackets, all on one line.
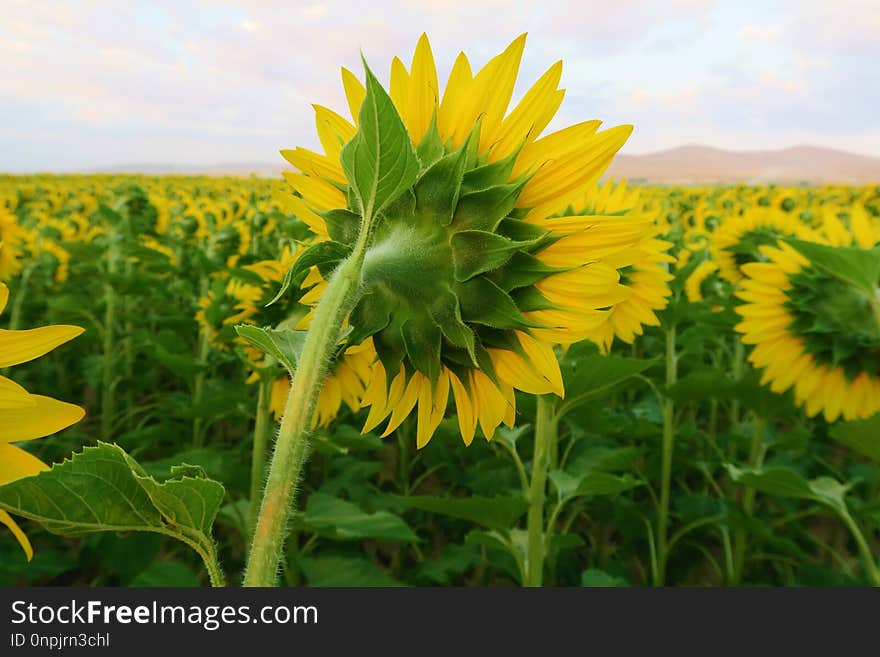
[(475, 272), (815, 327)]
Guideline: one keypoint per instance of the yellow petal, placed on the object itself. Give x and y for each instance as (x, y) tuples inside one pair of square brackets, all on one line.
[(13, 395), (432, 407), (531, 115), (561, 179), (354, 93), (21, 346), (316, 192), (20, 536), (333, 131), (467, 419), (493, 88), (423, 90), (4, 296), (544, 360), (408, 400), (16, 463), (314, 164), (398, 88), (451, 123), (46, 417)]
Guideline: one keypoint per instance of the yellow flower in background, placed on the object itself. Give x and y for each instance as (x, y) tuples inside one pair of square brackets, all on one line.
[(470, 284), (346, 383), (813, 331), (12, 236), (24, 416), (862, 230), (643, 266), (738, 239), (702, 273)]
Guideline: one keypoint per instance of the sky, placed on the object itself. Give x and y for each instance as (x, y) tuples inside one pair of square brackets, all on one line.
[(92, 84)]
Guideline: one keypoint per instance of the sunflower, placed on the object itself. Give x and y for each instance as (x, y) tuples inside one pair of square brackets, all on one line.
[(476, 272), (12, 236), (813, 331), (346, 383), (695, 287), (24, 416), (852, 226), (739, 238), (643, 267)]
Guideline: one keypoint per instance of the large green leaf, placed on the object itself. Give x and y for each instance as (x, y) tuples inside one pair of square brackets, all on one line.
[(284, 345), (344, 571), (589, 374), (593, 577), (860, 267), (592, 483), (380, 162), (343, 520), (103, 489), (861, 435), (785, 482), (492, 512)]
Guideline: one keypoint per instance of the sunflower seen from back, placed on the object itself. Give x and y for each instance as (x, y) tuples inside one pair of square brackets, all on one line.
[(812, 314), (476, 271), (24, 416)]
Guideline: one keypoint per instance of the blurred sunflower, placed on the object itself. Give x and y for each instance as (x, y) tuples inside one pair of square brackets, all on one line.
[(24, 416), (12, 236), (738, 239), (346, 383), (814, 331), (643, 267), (476, 272), (700, 279)]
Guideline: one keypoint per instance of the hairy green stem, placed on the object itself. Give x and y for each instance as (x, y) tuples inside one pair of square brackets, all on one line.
[(741, 537), (261, 440), (291, 448), (108, 385), (545, 436), (204, 351), (668, 447), (737, 370), (20, 294), (871, 568)]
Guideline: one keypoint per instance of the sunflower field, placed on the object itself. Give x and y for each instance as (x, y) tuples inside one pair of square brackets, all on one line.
[(445, 351)]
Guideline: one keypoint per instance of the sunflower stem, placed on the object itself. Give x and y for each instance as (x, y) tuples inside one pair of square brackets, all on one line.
[(292, 445), (545, 436), (107, 384), (204, 350), (261, 439), (871, 568), (737, 371), (741, 537), (666, 463), (20, 294)]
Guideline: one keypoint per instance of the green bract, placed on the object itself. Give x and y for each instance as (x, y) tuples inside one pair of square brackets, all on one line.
[(450, 269)]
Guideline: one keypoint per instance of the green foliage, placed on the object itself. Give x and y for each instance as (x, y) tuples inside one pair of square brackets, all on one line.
[(377, 512), (862, 435), (380, 162), (103, 489), (284, 345)]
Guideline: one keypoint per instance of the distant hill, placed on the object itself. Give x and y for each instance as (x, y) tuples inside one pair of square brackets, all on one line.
[(262, 169), (684, 164), (703, 164)]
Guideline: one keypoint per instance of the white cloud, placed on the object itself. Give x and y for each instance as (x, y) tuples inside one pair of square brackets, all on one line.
[(759, 33), (237, 78)]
